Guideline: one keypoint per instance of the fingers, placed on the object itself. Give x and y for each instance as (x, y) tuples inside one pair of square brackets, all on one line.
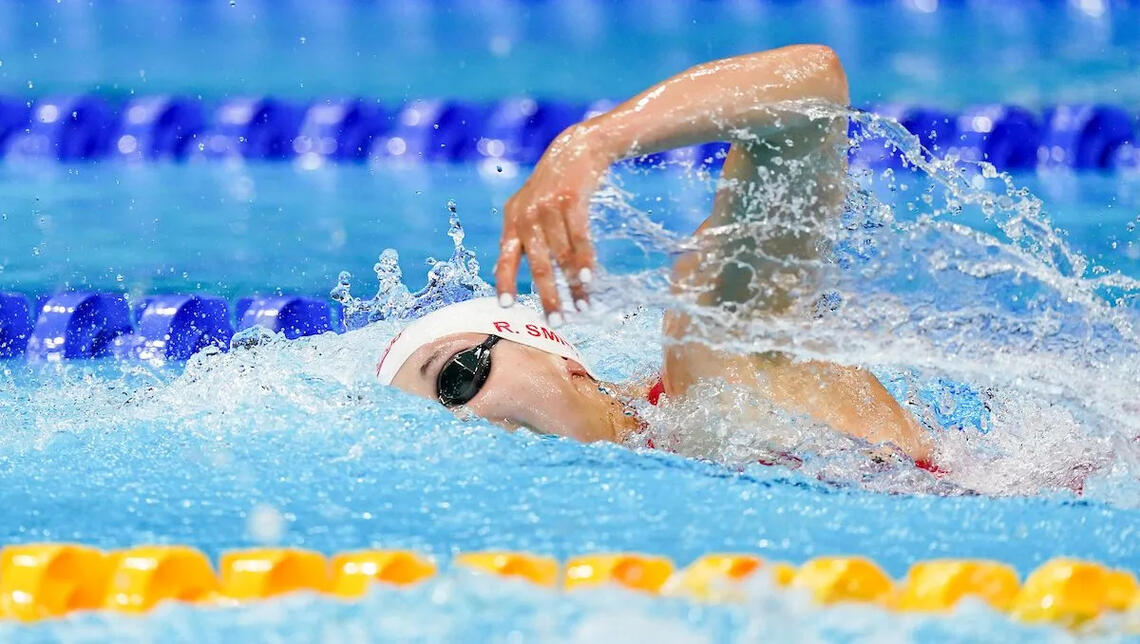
[(557, 223), (507, 267), (580, 296), (551, 233), (581, 265), (578, 265), (554, 228), (542, 269)]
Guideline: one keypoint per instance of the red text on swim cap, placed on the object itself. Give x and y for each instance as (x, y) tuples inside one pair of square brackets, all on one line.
[(536, 331), (501, 326)]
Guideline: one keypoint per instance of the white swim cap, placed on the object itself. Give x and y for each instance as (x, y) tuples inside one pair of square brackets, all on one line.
[(518, 323)]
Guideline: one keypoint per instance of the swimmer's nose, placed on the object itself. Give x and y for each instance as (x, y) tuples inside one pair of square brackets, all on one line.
[(575, 368)]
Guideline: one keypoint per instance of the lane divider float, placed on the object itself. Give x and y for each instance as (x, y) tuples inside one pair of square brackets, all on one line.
[(175, 128), (40, 581), (159, 327)]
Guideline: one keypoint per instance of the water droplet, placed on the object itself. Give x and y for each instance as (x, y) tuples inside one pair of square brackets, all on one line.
[(449, 280), (119, 277), (498, 168)]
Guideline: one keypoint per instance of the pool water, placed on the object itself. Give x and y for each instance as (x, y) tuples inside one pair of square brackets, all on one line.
[(947, 53), (966, 305), (264, 227)]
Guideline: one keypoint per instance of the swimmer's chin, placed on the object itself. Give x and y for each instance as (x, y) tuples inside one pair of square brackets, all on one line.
[(590, 390), (606, 403), (600, 415)]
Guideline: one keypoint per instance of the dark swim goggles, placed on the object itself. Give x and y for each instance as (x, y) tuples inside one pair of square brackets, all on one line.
[(465, 373)]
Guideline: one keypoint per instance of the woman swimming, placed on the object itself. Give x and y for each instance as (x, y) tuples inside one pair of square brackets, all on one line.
[(781, 185)]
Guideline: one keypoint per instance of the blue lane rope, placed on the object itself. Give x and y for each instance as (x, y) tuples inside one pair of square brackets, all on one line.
[(78, 128), (159, 327)]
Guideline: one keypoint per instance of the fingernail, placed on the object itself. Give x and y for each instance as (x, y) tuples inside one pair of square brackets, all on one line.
[(585, 276), (506, 300), (555, 319), (582, 305)]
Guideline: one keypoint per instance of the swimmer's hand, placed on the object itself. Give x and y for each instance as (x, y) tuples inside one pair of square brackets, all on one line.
[(722, 100), (548, 220)]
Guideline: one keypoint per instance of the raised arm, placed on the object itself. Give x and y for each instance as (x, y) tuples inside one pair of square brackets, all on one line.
[(757, 253), (735, 99)]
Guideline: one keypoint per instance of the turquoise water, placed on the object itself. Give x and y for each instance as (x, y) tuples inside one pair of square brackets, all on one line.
[(1030, 51), (1010, 345), (234, 231), (294, 443)]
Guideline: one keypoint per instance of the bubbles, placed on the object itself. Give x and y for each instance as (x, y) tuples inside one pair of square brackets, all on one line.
[(254, 336), (294, 442), (957, 291), (265, 525), (958, 288)]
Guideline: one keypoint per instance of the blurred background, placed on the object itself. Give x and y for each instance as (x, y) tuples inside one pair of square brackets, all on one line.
[(202, 150), (945, 52)]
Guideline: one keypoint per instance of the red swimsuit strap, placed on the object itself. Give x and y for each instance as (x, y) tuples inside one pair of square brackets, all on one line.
[(929, 466), (655, 392)]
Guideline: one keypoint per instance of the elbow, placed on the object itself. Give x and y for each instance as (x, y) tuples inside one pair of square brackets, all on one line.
[(824, 64)]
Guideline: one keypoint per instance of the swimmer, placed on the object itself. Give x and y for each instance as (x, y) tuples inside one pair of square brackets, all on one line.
[(783, 176)]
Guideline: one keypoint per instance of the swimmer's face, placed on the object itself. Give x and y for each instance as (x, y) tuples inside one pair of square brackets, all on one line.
[(525, 388)]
